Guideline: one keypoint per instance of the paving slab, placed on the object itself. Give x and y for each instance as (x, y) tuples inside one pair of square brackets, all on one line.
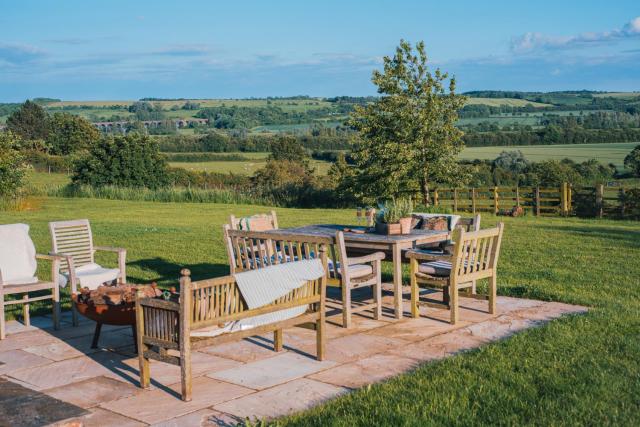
[(164, 404), (272, 371), (93, 391), (98, 417), (25, 339), (281, 400), (549, 311), (247, 350), (203, 418), (358, 346), (366, 371), (501, 327), (440, 346), (416, 329), (13, 360)]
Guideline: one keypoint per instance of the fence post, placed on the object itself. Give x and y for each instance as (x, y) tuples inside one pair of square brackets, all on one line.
[(435, 197), (473, 200), (455, 200), (599, 200), (569, 198), (495, 200), (563, 199), (622, 198), (537, 196), (517, 196)]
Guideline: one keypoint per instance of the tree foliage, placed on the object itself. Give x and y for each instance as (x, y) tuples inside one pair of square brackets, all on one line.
[(130, 160), (287, 147), (632, 161), (408, 139), (12, 165), (29, 122), (69, 133)]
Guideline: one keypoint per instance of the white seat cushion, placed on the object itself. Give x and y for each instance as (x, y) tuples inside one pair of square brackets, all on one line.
[(92, 275), (355, 270), (22, 281), (17, 254), (435, 268)]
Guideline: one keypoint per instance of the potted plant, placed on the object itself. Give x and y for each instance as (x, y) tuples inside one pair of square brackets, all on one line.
[(394, 217)]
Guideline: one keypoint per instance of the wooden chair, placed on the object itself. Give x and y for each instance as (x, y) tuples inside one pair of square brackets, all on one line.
[(18, 264), (165, 327), (469, 223), (259, 222), (73, 241), (349, 273), (474, 257)]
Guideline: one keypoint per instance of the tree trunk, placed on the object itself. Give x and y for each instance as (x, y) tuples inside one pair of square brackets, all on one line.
[(426, 197)]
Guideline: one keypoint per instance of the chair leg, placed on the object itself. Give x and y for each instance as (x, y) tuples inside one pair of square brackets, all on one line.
[(346, 306), (493, 294), (277, 340), (185, 365), (74, 314), (445, 295), (377, 292), (2, 327), (320, 339), (26, 317), (415, 291), (453, 302), (56, 307)]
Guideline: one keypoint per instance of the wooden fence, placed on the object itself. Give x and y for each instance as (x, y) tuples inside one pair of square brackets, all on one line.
[(565, 200)]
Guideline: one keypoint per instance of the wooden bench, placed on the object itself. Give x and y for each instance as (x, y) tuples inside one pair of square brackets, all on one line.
[(164, 327)]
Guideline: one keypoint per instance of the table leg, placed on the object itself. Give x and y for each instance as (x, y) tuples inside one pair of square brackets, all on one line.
[(96, 335), (134, 329), (397, 280)]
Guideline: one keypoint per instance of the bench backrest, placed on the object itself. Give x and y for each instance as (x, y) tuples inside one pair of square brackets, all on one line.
[(259, 222), (72, 238)]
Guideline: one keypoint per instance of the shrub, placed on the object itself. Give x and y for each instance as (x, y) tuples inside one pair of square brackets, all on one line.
[(12, 165), (69, 133), (632, 161), (131, 160)]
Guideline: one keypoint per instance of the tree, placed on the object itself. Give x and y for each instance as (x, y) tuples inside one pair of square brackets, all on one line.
[(69, 133), (29, 122), (632, 161), (408, 139), (131, 160), (12, 164), (286, 147)]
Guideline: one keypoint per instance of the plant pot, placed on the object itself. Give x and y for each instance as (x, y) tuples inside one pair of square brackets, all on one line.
[(388, 229), (405, 225)]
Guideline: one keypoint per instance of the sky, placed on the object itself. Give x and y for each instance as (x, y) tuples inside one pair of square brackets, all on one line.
[(120, 50)]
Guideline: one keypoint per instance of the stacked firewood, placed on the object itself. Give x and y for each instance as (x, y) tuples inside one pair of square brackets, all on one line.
[(117, 294)]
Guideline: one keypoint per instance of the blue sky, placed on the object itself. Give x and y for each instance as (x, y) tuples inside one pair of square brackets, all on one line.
[(212, 49)]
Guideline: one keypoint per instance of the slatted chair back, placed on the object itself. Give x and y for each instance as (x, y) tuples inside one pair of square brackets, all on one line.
[(259, 222), (248, 250), (469, 223), (476, 255), (73, 238)]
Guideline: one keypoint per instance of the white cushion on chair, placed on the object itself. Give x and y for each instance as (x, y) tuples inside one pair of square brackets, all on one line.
[(91, 276), (17, 255), (435, 268), (355, 270)]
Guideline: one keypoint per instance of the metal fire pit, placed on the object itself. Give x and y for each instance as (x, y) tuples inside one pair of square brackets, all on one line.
[(119, 313)]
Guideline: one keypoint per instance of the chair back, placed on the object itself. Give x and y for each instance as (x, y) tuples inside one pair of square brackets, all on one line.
[(475, 255), (17, 253), (248, 250), (469, 223), (72, 238), (259, 222)]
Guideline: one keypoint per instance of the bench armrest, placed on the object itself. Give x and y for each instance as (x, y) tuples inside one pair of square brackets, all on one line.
[(424, 255), (376, 256), (109, 249)]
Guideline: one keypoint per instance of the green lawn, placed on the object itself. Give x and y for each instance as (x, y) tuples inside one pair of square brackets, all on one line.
[(574, 371), (604, 153)]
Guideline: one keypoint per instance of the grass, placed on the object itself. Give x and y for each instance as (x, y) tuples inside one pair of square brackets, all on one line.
[(512, 102), (604, 153), (241, 167), (574, 371)]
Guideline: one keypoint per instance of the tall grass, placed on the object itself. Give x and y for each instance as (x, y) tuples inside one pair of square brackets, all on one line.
[(167, 195)]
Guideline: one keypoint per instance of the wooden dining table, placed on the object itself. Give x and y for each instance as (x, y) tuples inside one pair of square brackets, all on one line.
[(363, 240)]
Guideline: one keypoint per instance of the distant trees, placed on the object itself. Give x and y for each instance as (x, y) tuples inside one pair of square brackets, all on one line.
[(130, 160), (29, 122), (12, 165), (286, 147), (632, 161), (408, 139)]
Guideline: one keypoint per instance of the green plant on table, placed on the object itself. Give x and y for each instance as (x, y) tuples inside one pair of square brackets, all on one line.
[(393, 210)]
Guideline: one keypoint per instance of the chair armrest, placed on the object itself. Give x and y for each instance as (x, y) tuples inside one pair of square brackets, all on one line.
[(427, 255), (50, 257), (109, 249), (376, 256), (74, 285)]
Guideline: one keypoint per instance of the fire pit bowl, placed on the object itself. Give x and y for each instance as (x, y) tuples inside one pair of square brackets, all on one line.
[(112, 305)]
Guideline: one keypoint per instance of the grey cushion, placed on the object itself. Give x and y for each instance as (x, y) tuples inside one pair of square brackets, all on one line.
[(435, 268), (355, 270)]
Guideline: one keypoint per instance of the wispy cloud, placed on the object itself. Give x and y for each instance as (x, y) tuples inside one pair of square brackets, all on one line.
[(184, 50), (533, 42), (16, 54), (72, 41)]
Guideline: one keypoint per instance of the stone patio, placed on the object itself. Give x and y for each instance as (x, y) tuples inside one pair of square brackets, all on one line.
[(54, 378)]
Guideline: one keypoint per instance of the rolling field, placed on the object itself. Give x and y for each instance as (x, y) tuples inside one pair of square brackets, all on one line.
[(577, 370), (240, 167), (604, 153)]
